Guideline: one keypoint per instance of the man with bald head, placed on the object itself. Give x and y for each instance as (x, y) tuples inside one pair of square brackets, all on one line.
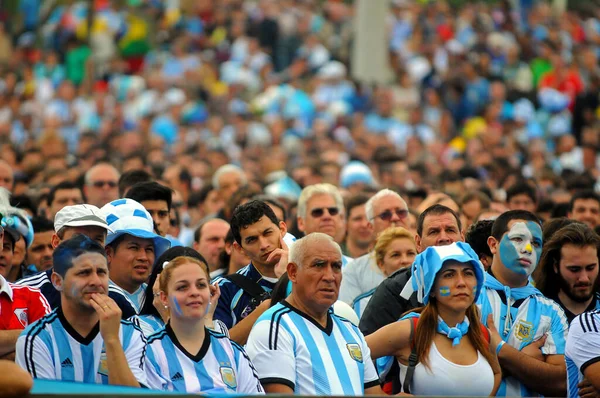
[(7, 177), (101, 184), (209, 240)]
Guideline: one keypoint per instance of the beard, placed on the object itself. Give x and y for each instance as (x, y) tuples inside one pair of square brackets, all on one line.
[(570, 290)]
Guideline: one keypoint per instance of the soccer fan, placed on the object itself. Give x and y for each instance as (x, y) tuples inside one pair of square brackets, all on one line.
[(394, 249), (209, 241), (321, 209), (383, 210), (39, 253), (156, 199), (582, 353), (186, 356), (568, 269), (359, 234), (259, 234), (131, 247), (101, 184), (477, 236), (517, 313), (63, 194), (84, 339), (428, 343), (585, 207), (18, 231), (315, 351), (71, 220)]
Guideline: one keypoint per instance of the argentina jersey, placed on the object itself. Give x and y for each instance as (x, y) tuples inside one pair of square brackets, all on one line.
[(234, 303), (529, 319), (290, 348), (220, 366), (52, 349), (136, 298), (360, 303), (583, 349)]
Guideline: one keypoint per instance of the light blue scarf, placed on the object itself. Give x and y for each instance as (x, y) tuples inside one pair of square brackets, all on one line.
[(455, 333)]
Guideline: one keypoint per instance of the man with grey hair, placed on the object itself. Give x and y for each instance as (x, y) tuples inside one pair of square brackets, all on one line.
[(321, 209), (101, 184), (384, 210), (316, 351), (228, 179)]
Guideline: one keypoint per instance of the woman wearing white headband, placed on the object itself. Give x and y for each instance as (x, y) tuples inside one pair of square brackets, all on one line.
[(434, 357)]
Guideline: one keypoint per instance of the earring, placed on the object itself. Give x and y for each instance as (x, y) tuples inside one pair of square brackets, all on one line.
[(166, 307)]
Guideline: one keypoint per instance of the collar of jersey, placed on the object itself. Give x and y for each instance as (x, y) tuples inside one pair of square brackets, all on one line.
[(73, 333), (327, 330), (201, 353)]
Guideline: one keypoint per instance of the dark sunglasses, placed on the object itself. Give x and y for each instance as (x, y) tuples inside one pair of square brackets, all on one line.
[(100, 184), (319, 211), (388, 214)]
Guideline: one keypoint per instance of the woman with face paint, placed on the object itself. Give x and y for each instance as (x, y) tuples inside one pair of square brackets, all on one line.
[(186, 356), (442, 348)]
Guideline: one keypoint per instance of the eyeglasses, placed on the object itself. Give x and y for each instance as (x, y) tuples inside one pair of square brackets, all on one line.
[(319, 211), (388, 214), (100, 184)]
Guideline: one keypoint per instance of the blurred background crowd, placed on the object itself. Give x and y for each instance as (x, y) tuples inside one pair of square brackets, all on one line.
[(480, 96)]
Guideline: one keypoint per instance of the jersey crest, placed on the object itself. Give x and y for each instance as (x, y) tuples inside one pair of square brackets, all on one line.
[(355, 352), (228, 376), (524, 331), (21, 314)]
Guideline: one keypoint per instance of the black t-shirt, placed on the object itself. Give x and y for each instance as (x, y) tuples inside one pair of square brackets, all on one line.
[(386, 305)]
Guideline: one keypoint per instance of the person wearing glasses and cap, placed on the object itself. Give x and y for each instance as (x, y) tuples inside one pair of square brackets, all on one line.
[(442, 347), (19, 305), (19, 229), (321, 209), (384, 209)]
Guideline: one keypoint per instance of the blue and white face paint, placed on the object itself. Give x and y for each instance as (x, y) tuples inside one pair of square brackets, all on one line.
[(521, 247)]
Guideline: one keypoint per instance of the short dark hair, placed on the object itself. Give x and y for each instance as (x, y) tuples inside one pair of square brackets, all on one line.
[(578, 234), (477, 237), (271, 200), (501, 223), (199, 197), (584, 194), (436, 210), (23, 202), (521, 188), (63, 255), (150, 190), (248, 214), (479, 196), (132, 177), (356, 200), (41, 224), (174, 252), (62, 186)]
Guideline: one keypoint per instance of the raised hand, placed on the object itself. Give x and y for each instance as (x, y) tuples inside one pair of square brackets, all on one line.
[(110, 316)]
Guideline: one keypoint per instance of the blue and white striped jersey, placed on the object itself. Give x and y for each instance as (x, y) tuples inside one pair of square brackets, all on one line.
[(136, 298), (289, 347), (51, 349), (234, 302), (149, 324), (531, 316), (583, 348), (221, 365), (360, 302)]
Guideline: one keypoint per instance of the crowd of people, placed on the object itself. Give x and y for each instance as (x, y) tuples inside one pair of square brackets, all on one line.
[(202, 196)]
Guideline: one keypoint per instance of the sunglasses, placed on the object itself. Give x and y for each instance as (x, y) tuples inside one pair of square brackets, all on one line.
[(319, 211), (388, 214), (100, 184)]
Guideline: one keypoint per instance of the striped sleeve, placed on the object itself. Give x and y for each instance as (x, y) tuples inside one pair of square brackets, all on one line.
[(134, 346), (583, 342), (33, 354), (559, 329), (248, 382), (269, 344)]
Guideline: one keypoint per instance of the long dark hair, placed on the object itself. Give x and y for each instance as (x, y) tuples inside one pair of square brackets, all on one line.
[(174, 252)]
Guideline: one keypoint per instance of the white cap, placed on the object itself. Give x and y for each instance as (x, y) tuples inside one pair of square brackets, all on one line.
[(80, 216)]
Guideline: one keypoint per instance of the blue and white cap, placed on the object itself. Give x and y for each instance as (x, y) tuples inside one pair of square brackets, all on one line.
[(127, 216), (429, 262), (356, 172)]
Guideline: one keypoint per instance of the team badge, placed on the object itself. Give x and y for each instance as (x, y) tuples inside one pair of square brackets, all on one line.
[(103, 367), (355, 352), (524, 331), (228, 377), (21, 314)]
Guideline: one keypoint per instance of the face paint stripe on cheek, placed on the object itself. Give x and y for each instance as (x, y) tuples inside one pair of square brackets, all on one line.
[(176, 306), (444, 291)]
